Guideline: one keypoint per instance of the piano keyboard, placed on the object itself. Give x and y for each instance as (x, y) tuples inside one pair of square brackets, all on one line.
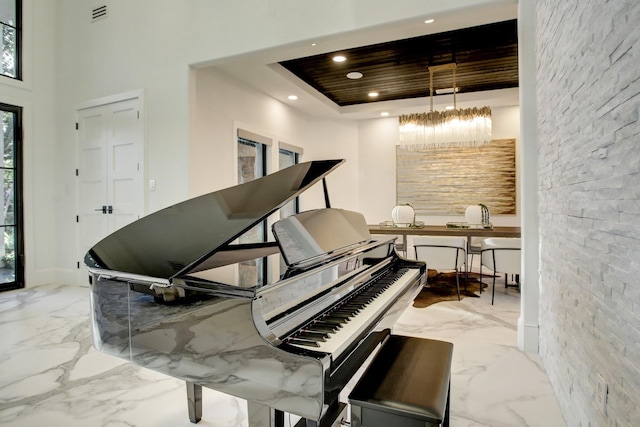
[(336, 330)]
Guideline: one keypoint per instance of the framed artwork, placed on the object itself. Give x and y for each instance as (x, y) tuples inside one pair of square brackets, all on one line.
[(445, 181)]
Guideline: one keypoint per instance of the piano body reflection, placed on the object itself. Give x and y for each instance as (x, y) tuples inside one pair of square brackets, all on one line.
[(165, 295)]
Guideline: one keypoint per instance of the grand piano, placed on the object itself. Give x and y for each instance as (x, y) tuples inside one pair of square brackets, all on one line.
[(166, 295)]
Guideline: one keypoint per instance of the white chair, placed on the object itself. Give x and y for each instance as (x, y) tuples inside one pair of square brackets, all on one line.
[(500, 255), (442, 253)]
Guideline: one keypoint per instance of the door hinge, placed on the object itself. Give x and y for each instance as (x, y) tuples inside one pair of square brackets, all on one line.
[(77, 126), (77, 218), (78, 264), (77, 172), (138, 114)]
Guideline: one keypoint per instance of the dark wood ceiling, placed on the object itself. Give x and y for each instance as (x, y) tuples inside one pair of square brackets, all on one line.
[(486, 57)]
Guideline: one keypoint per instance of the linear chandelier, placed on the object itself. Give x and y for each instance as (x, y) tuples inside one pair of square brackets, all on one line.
[(470, 127)]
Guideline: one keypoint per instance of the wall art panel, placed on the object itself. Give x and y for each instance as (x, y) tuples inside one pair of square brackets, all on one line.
[(445, 181)]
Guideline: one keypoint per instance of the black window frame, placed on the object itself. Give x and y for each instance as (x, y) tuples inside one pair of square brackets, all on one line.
[(264, 223), (18, 145), (18, 46)]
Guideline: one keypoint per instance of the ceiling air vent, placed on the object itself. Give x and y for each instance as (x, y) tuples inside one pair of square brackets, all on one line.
[(99, 13)]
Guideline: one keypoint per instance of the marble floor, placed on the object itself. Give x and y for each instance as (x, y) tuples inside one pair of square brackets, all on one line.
[(51, 375)]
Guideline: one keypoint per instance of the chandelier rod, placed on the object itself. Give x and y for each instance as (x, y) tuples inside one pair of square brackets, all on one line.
[(451, 66)]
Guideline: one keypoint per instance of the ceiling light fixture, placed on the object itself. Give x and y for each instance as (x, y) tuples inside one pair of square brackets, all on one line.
[(339, 58), (384, 113), (446, 90), (355, 75), (469, 127), (293, 97), (373, 94), (429, 21)]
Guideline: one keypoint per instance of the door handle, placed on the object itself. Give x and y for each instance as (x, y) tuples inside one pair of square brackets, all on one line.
[(103, 209)]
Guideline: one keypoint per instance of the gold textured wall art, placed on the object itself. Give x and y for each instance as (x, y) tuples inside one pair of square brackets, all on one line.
[(445, 181)]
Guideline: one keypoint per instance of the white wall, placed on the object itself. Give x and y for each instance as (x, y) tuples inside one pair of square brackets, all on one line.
[(41, 184), (222, 104), (588, 91), (149, 45), (378, 139)]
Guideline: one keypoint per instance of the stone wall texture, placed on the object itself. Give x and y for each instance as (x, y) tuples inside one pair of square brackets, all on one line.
[(588, 89)]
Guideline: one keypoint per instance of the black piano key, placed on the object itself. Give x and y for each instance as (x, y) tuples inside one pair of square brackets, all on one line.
[(347, 313), (340, 320), (340, 315), (323, 328), (312, 336), (307, 343), (329, 321)]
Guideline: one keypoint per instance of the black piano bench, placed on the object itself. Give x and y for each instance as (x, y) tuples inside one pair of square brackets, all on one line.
[(406, 385)]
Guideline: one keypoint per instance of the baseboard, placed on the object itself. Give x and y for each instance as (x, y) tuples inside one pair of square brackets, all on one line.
[(528, 336), (41, 277)]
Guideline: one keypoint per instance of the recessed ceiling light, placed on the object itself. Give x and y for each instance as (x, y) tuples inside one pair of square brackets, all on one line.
[(429, 21), (384, 113), (314, 44), (292, 97), (373, 94), (449, 107), (339, 58), (354, 75)]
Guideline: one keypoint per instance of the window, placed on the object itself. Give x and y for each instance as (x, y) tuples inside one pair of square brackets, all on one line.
[(10, 20), (252, 164), (11, 249), (288, 158)]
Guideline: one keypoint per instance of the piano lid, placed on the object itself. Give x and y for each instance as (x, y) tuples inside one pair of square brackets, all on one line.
[(177, 239)]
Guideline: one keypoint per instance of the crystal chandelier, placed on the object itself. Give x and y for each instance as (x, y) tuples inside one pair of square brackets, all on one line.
[(470, 127)]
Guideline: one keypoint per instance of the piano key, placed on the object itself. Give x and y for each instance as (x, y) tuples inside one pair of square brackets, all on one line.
[(322, 328), (341, 339), (329, 321), (312, 336), (340, 315), (304, 343)]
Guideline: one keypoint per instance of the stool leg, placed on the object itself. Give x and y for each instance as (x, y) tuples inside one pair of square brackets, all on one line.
[(445, 422), (194, 402), (493, 291)]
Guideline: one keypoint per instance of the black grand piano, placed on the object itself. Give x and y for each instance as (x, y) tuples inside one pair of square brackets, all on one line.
[(166, 295)]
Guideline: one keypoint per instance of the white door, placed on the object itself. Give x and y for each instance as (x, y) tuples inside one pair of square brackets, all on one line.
[(110, 174)]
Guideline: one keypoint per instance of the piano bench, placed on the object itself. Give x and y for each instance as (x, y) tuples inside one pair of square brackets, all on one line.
[(406, 385)]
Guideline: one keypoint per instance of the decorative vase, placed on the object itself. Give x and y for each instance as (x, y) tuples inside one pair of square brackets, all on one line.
[(473, 214), (477, 215), (403, 215), (486, 222)]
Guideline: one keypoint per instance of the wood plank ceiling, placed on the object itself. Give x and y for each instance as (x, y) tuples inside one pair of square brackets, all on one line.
[(486, 57)]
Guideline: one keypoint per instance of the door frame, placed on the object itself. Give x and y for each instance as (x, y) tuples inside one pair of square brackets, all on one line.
[(81, 272)]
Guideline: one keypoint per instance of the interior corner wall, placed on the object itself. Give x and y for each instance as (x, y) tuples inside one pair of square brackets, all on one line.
[(589, 206), (222, 104), (377, 152)]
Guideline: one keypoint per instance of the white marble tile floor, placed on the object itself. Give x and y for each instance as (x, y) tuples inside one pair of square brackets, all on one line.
[(50, 374)]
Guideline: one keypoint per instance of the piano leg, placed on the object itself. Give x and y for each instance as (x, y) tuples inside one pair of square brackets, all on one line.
[(194, 402), (264, 416)]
